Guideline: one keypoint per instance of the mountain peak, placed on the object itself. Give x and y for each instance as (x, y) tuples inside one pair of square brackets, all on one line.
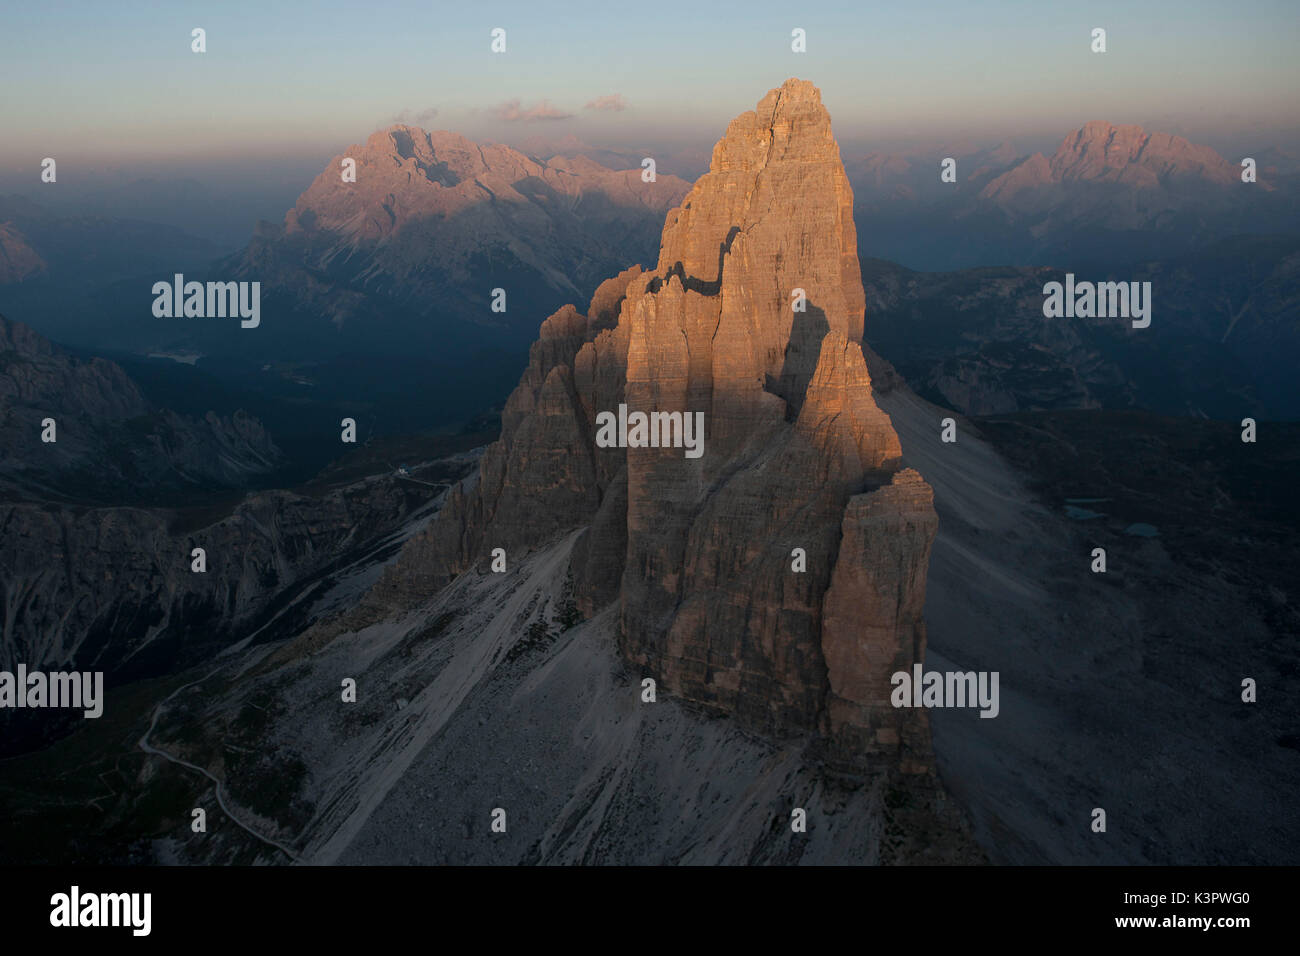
[(749, 326), (795, 104), (777, 185), (1102, 128), (1125, 155), (427, 212), (1117, 145), (790, 93), (1103, 151)]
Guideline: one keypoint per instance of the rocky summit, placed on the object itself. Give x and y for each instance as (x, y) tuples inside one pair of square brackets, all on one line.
[(779, 577), (430, 217)]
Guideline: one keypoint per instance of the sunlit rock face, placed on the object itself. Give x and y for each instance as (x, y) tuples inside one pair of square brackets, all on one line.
[(780, 575)]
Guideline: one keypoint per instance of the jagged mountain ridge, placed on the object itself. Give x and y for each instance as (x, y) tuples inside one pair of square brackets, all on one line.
[(1107, 195), (1129, 155), (97, 528), (111, 442), (113, 588)]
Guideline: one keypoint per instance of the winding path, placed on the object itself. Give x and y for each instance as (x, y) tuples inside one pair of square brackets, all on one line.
[(221, 800)]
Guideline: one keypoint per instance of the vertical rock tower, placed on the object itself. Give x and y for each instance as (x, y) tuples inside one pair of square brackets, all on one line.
[(753, 316)]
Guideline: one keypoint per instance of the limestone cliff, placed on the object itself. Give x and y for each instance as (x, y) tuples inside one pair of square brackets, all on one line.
[(753, 316)]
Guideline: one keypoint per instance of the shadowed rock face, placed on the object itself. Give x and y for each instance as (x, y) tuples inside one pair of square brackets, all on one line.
[(111, 443), (976, 341), (699, 552)]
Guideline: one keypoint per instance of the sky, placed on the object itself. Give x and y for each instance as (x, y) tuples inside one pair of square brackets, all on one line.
[(113, 88)]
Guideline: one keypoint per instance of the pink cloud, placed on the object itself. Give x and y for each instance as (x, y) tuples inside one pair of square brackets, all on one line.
[(614, 101), (513, 112), (416, 117)]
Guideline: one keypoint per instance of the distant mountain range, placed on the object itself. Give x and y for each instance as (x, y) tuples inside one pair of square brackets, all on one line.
[(1107, 195), (38, 243), (1224, 339)]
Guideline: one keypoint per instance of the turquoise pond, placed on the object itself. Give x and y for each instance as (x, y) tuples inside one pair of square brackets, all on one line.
[(1081, 514), (1073, 511)]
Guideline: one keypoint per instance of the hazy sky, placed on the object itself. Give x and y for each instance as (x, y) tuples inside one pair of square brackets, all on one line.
[(113, 86)]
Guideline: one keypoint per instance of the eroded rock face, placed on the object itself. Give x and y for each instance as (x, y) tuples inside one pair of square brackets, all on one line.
[(753, 317), (94, 587), (874, 624)]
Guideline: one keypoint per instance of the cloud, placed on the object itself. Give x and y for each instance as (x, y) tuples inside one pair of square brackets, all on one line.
[(614, 101), (512, 112), (416, 117)]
